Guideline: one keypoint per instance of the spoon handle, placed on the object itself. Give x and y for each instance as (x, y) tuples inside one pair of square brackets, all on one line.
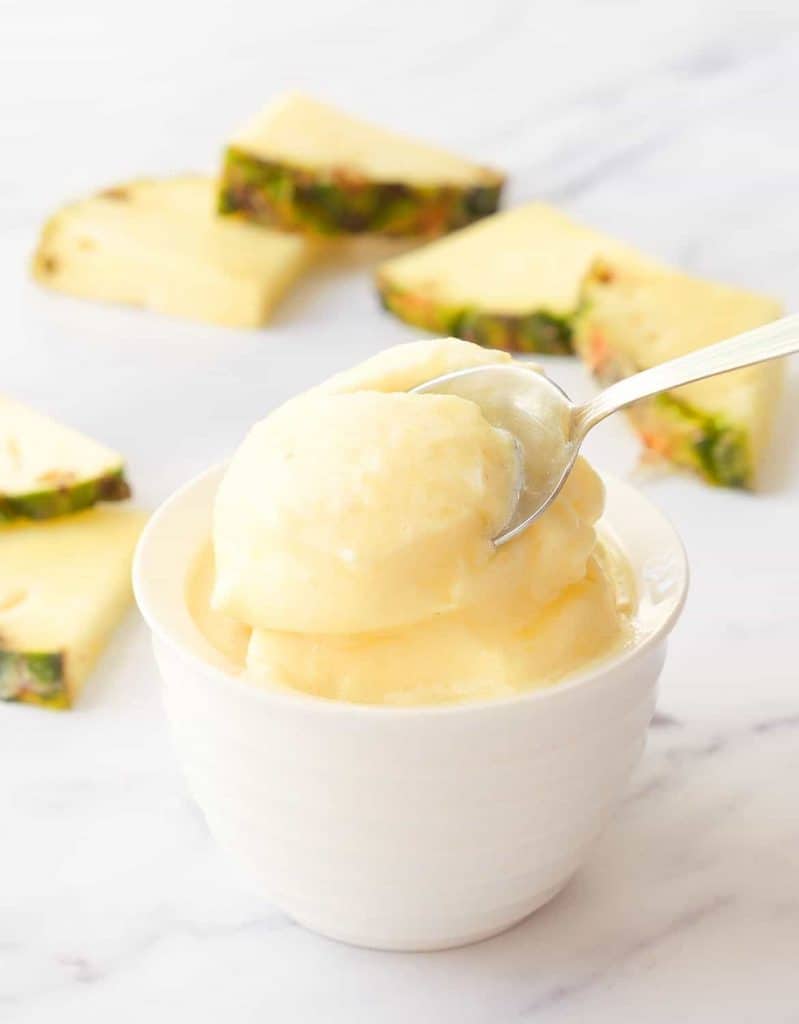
[(780, 338)]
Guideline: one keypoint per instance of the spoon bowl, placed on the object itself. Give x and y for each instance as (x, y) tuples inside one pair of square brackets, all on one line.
[(538, 415)]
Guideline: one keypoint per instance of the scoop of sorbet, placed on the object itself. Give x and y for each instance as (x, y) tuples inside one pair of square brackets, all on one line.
[(361, 511), (353, 533)]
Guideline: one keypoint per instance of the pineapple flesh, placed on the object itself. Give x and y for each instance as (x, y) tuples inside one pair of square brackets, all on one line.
[(64, 586), (303, 166), (160, 245), (635, 316), (510, 282), (48, 470)]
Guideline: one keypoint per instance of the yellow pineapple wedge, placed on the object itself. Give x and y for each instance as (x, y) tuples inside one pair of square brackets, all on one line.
[(510, 282), (47, 469), (160, 245), (64, 586), (635, 316), (302, 165)]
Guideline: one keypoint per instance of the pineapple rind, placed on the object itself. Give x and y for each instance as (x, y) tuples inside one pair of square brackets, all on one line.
[(34, 677), (50, 502), (329, 202), (717, 450), (537, 331)]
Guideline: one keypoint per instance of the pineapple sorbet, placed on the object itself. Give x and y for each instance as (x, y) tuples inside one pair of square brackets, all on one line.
[(352, 545)]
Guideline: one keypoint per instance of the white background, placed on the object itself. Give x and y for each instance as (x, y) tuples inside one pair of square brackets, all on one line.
[(671, 125)]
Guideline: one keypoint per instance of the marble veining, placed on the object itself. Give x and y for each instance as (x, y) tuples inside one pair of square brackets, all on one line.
[(671, 125)]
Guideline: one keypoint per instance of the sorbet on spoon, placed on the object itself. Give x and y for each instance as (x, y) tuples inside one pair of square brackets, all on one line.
[(549, 428)]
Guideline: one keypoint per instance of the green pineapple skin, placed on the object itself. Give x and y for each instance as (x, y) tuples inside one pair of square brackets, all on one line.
[(715, 449), (59, 501), (534, 332), (290, 198), (34, 678)]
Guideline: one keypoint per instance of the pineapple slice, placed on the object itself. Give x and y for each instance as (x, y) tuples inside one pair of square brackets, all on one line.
[(304, 166), (64, 585), (510, 282), (159, 244), (635, 317), (48, 470)]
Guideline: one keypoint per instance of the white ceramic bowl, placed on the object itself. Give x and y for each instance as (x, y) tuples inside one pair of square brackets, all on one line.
[(406, 828)]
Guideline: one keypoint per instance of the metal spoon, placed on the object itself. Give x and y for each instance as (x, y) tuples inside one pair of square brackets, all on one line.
[(549, 428)]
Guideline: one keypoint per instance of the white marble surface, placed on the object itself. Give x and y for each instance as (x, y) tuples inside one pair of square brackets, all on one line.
[(673, 125)]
